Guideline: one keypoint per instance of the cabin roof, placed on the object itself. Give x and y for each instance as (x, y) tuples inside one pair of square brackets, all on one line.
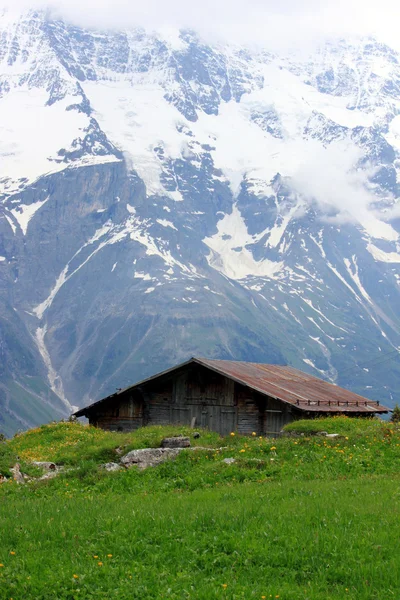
[(289, 385)]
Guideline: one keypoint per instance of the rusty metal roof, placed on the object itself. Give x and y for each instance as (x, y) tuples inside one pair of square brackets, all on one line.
[(303, 391), (294, 387)]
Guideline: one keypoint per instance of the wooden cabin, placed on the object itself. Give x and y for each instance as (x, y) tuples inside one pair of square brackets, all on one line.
[(226, 396)]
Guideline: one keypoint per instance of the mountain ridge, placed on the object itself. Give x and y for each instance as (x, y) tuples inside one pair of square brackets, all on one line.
[(164, 198)]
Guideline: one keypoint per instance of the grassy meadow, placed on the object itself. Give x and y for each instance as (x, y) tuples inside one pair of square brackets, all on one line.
[(299, 517)]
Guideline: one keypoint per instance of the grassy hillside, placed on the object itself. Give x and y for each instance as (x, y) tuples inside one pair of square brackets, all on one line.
[(301, 517)]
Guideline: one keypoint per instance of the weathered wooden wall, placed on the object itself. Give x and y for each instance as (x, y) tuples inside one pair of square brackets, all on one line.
[(248, 411), (194, 392), (276, 415), (125, 413), (215, 401), (158, 399)]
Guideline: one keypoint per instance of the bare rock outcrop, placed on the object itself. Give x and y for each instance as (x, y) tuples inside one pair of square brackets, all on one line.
[(149, 457)]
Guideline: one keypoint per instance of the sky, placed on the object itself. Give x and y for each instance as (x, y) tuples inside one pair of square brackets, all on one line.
[(270, 22)]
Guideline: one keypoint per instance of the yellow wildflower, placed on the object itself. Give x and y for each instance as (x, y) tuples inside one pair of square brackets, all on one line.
[(224, 585), (273, 448), (95, 556), (109, 555), (12, 553), (1, 565), (232, 433), (75, 576), (254, 434), (242, 450), (100, 564)]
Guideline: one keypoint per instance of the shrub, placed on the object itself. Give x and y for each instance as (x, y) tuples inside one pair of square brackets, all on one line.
[(395, 418)]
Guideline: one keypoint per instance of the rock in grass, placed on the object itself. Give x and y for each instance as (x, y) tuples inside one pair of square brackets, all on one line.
[(148, 457), (229, 461), (111, 466), (176, 442), (47, 466), (16, 473), (332, 435)]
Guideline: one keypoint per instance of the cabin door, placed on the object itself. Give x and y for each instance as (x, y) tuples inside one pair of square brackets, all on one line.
[(218, 418), (180, 415), (275, 420), (228, 421), (209, 417)]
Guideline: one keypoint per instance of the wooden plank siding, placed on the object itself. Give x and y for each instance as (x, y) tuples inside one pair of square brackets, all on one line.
[(214, 400), (158, 399), (126, 415), (275, 415), (248, 411)]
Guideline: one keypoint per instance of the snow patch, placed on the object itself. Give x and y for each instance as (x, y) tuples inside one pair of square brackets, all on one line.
[(166, 223), (381, 256), (393, 135), (138, 119), (229, 254), (24, 213), (32, 133), (309, 362), (54, 379)]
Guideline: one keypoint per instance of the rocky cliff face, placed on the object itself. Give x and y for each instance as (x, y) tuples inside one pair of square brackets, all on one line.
[(162, 198)]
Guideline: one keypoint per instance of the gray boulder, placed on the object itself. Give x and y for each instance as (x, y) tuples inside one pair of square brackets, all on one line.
[(47, 466), (149, 457), (176, 442)]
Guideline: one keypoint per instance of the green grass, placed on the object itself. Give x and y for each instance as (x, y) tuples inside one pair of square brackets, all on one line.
[(300, 517), (341, 425)]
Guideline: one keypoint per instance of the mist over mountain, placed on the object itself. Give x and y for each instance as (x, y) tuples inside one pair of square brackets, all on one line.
[(163, 196)]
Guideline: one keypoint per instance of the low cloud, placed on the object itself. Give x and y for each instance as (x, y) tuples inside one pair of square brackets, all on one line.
[(337, 179), (334, 179), (266, 22), (331, 177)]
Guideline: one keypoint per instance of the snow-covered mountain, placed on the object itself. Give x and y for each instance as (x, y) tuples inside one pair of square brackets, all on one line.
[(161, 197)]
